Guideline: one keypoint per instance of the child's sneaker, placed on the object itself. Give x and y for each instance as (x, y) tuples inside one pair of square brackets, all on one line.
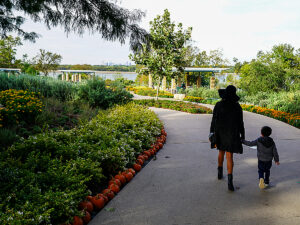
[(261, 183)]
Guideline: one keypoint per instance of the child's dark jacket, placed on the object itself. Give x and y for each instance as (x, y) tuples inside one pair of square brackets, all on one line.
[(266, 148)]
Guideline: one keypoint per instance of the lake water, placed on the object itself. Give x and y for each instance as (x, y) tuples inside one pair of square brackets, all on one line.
[(113, 76)]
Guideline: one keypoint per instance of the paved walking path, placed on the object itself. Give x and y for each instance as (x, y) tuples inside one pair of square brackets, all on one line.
[(180, 187)]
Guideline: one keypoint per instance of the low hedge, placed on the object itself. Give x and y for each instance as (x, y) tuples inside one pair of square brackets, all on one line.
[(98, 95), (145, 91), (211, 101), (47, 175), (175, 105)]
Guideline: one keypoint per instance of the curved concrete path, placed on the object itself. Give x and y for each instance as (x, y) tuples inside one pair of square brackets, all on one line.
[(180, 187)]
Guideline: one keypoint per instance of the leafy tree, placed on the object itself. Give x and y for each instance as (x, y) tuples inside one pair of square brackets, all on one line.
[(202, 59), (8, 51), (81, 67), (27, 66), (167, 49), (97, 16), (276, 70), (46, 61)]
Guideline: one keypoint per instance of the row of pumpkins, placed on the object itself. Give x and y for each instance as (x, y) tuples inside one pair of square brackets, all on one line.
[(97, 202)]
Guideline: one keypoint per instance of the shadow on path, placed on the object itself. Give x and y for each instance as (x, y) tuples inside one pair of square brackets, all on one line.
[(181, 187)]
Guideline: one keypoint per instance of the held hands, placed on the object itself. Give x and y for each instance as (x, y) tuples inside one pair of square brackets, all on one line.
[(277, 163)]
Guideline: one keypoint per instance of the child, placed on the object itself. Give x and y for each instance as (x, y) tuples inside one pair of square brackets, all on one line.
[(266, 151)]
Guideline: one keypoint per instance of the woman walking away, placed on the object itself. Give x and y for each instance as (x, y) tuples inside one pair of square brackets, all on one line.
[(227, 127)]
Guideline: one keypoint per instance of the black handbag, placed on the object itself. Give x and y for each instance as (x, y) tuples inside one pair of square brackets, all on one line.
[(213, 140)]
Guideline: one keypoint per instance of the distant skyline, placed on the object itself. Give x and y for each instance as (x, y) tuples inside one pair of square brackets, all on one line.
[(240, 27)]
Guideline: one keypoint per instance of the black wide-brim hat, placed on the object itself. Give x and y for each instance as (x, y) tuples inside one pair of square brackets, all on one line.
[(230, 93), (222, 93)]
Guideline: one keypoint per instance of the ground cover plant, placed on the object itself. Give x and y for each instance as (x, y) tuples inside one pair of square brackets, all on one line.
[(145, 91), (97, 95), (58, 105), (175, 105), (46, 176)]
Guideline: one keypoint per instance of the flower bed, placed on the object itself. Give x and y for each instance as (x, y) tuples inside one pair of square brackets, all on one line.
[(46, 176), (292, 119), (175, 105), (93, 204), (19, 105), (144, 91)]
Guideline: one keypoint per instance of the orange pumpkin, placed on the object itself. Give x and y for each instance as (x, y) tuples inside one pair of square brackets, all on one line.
[(108, 193), (98, 202), (141, 157), (129, 176), (147, 153), (139, 161), (77, 220), (137, 167), (89, 198), (146, 157), (87, 218), (132, 171), (115, 188), (86, 205), (121, 178), (104, 197), (115, 181)]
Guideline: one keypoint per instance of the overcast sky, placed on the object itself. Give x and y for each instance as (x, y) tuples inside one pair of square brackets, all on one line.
[(240, 27)]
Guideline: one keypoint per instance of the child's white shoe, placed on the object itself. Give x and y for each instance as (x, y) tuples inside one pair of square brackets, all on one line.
[(261, 183)]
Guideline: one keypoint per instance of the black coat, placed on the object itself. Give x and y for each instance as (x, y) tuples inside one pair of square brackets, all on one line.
[(228, 126)]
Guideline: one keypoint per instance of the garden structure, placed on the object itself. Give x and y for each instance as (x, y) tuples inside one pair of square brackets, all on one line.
[(187, 71), (75, 75), (10, 70)]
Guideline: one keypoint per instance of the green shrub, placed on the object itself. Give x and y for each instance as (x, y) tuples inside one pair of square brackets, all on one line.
[(95, 92), (175, 105), (202, 92), (283, 101), (47, 175), (7, 137)]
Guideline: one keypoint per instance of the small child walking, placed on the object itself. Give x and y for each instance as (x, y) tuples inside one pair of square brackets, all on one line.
[(266, 151)]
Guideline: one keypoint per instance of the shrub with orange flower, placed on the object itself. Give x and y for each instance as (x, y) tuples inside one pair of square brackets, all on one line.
[(19, 105), (292, 119)]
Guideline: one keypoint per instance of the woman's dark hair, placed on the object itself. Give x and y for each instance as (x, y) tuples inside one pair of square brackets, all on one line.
[(266, 131)]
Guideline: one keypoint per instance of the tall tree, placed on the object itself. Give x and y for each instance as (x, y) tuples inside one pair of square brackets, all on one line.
[(97, 16), (8, 51), (46, 61), (167, 49), (276, 70)]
